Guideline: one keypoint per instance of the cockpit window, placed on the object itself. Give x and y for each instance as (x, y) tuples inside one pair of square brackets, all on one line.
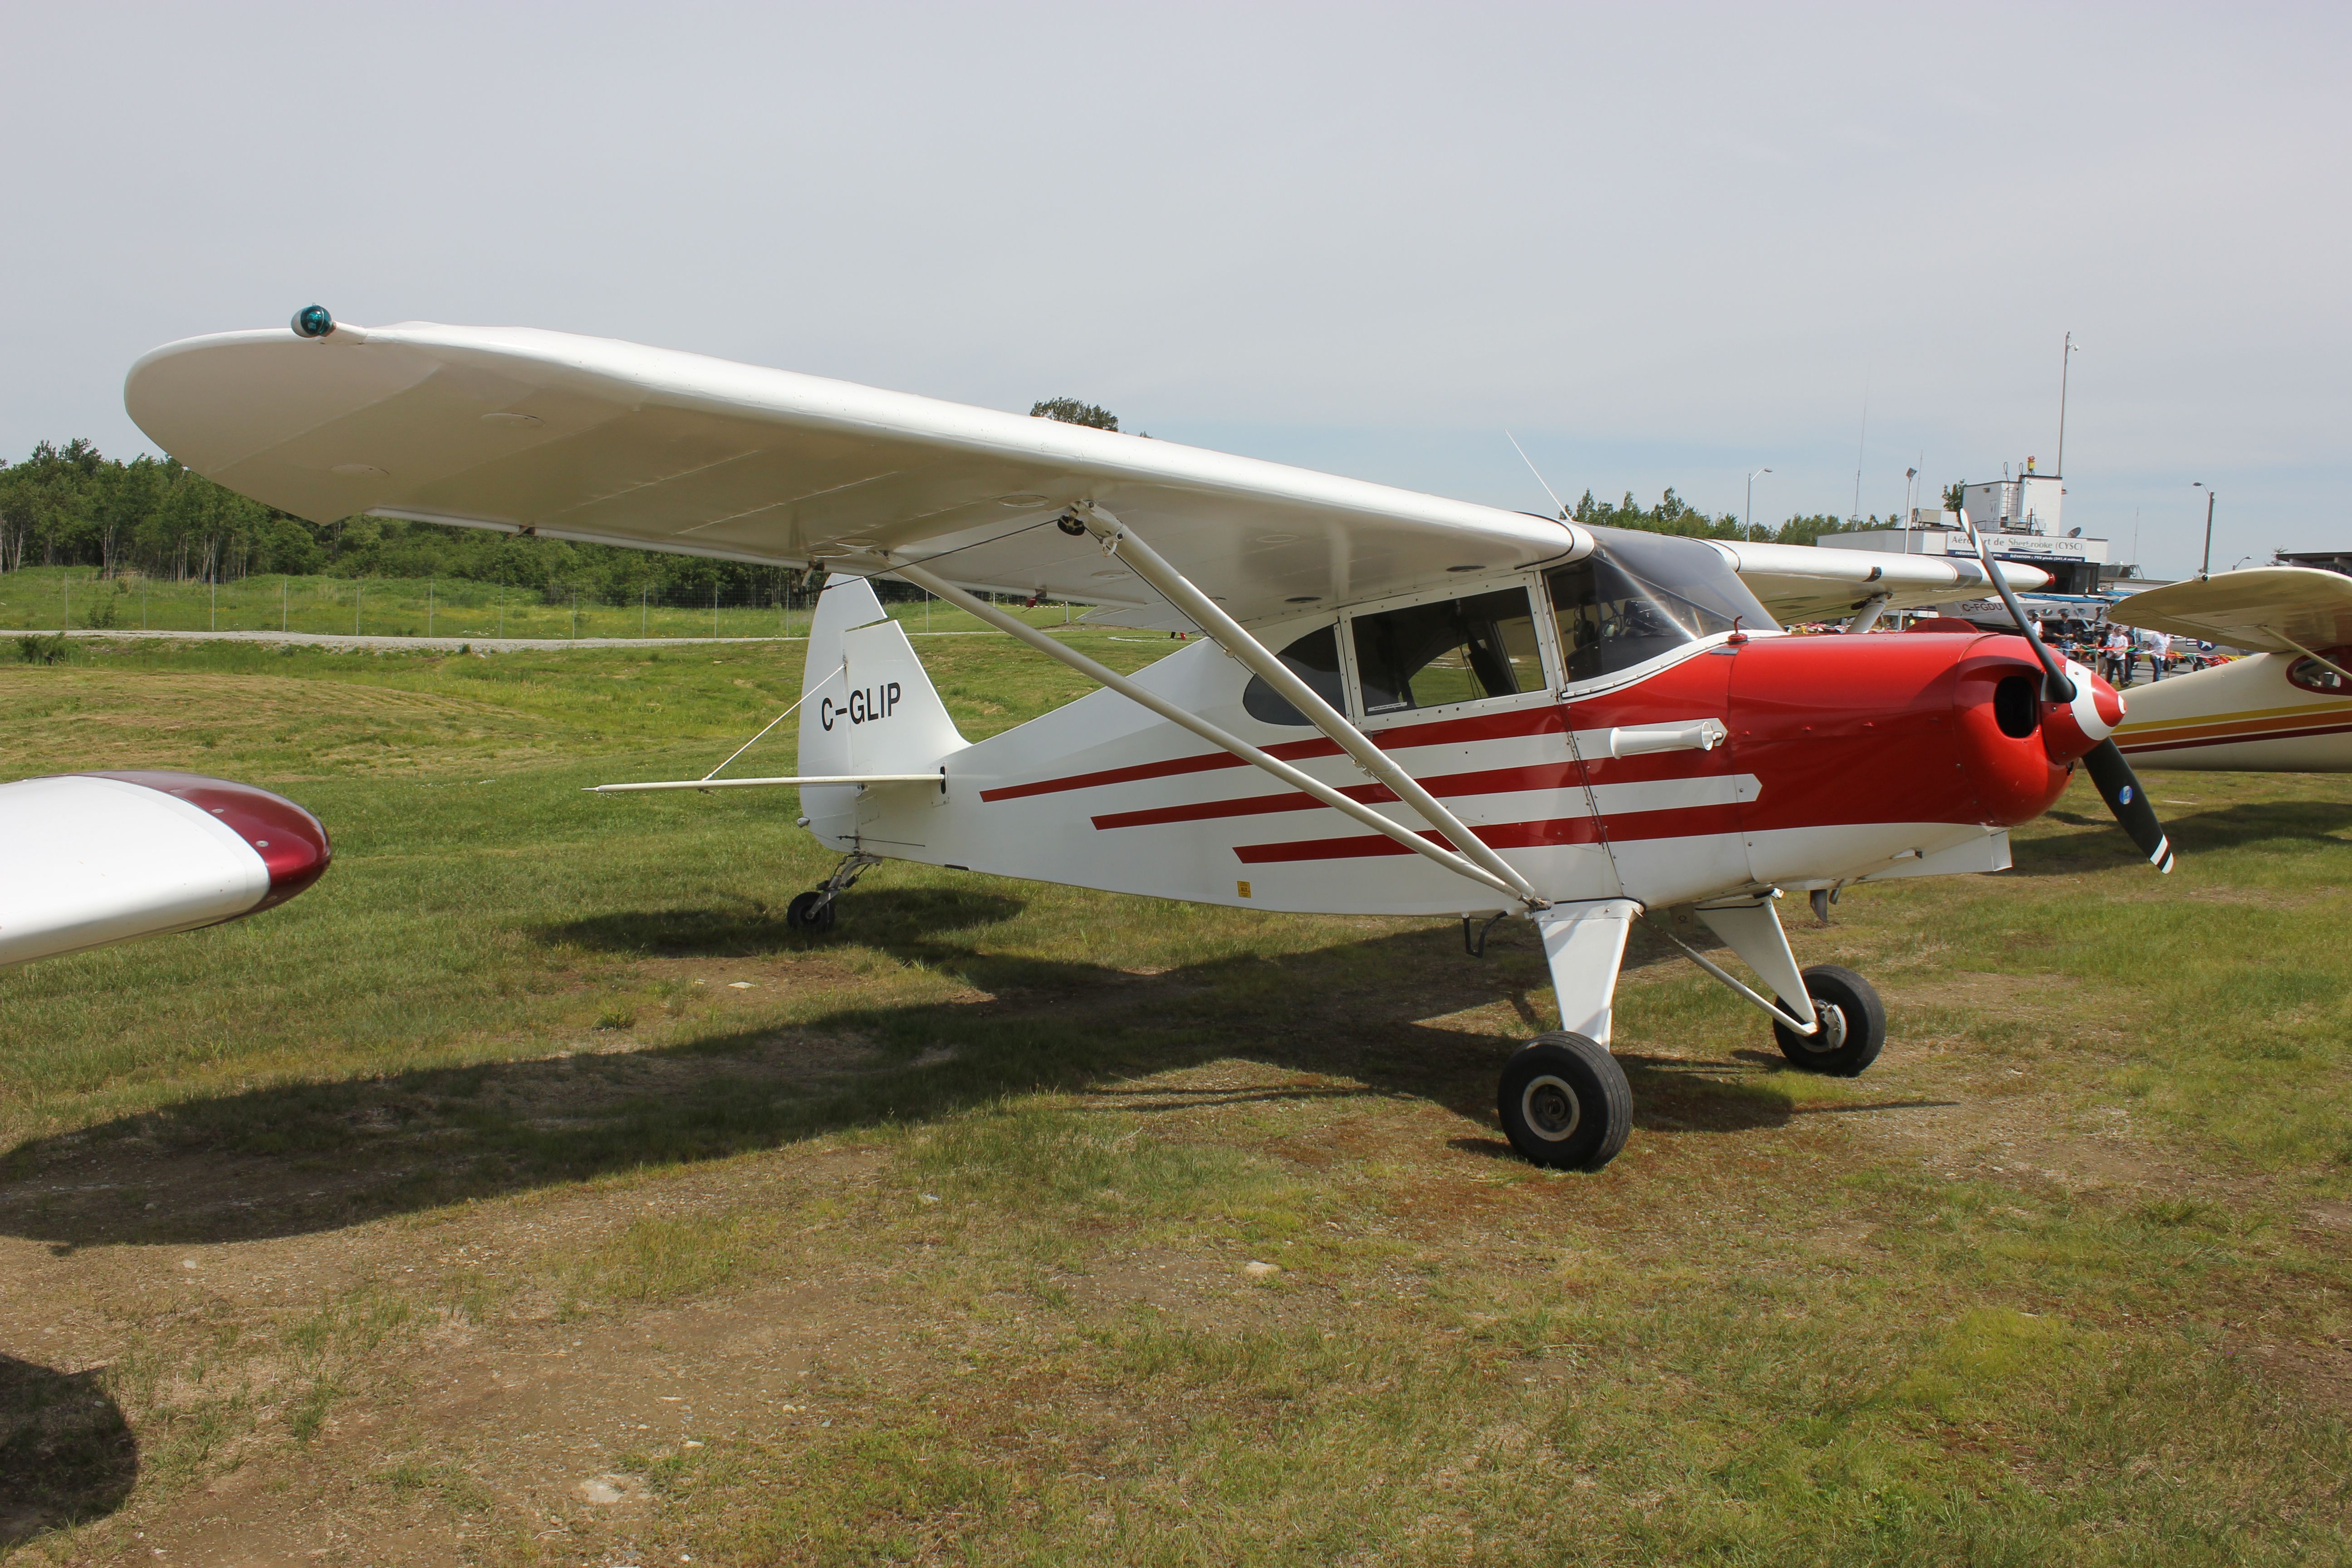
[(1315, 659), (2314, 675), (1457, 650), (1643, 594)]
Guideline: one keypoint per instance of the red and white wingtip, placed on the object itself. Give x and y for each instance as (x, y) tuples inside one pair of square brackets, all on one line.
[(89, 859)]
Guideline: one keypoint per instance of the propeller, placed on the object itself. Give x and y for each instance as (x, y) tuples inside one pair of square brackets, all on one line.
[(2117, 784), (2120, 787)]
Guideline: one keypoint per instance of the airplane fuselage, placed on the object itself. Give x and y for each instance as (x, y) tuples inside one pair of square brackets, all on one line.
[(1778, 761), (2266, 712)]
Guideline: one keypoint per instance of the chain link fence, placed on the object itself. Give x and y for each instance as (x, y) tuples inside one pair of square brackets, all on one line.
[(81, 599)]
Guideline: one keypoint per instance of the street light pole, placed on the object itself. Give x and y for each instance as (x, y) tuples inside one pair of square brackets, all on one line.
[(1749, 524), (2205, 569), (2065, 365)]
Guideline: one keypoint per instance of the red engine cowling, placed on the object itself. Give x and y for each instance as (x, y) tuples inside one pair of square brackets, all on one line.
[(1925, 729)]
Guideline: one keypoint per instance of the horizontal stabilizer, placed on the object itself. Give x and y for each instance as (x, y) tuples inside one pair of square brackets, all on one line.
[(746, 783)]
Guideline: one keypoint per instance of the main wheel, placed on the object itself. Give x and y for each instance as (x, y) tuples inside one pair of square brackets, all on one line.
[(1853, 1023), (1564, 1103), (811, 913)]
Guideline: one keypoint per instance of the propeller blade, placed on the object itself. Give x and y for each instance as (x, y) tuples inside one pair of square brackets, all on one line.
[(2054, 685), (2120, 787)]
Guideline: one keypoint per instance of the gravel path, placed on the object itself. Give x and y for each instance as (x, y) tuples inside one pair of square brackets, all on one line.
[(450, 645)]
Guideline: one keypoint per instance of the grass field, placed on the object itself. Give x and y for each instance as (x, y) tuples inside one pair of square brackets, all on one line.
[(55, 598), (525, 1194)]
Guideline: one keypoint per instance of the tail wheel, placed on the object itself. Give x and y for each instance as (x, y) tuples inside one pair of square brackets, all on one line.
[(811, 913), (1564, 1103), (1852, 1020)]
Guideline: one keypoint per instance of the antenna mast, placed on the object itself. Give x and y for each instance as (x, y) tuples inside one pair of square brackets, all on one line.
[(1530, 462), (1861, 442)]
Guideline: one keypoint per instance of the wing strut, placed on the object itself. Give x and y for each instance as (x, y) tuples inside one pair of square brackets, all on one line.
[(1149, 564), (972, 604)]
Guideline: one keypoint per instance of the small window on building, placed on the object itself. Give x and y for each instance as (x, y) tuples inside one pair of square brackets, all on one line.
[(2314, 675), (1457, 650), (1315, 659)]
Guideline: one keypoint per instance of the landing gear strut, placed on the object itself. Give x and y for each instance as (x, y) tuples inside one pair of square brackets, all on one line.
[(812, 910), (1564, 1099)]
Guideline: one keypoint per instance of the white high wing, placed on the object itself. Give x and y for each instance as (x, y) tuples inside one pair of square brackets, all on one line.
[(592, 439)]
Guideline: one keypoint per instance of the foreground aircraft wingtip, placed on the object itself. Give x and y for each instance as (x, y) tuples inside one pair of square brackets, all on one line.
[(293, 844)]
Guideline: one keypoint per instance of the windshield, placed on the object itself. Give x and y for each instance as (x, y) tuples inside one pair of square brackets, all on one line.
[(1643, 594)]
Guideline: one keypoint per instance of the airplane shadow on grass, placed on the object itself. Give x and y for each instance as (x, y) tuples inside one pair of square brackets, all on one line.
[(66, 1454), (890, 918), (302, 1158), (2250, 825)]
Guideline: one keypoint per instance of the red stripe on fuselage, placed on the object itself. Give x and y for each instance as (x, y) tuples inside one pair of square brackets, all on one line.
[(1529, 721), (2243, 737), (1687, 822), (1490, 781), (1484, 781)]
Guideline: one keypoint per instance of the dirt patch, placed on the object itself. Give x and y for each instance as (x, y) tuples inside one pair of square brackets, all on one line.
[(542, 1424), (2322, 1373), (1186, 1289), (2031, 997)]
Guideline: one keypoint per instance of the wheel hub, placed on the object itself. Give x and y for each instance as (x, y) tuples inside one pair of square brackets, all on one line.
[(1831, 1035), (1551, 1109)]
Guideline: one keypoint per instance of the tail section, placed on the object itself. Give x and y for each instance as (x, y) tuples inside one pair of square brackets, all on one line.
[(867, 706)]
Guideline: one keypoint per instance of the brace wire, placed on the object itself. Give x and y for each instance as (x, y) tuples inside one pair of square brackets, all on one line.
[(773, 722)]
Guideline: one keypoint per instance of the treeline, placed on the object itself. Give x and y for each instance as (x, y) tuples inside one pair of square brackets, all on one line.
[(1673, 515), (71, 506)]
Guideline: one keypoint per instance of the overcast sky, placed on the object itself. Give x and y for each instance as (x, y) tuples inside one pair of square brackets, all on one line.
[(1665, 245)]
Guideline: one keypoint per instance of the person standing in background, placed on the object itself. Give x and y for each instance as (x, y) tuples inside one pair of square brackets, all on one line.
[(2159, 656)]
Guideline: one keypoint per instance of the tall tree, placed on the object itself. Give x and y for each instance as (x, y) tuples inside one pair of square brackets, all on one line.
[(1070, 411)]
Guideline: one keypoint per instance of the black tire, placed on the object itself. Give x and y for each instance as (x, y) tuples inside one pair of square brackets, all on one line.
[(1564, 1103), (811, 912), (1853, 1023)]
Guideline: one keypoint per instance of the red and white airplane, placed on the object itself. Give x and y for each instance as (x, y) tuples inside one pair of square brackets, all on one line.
[(1401, 704)]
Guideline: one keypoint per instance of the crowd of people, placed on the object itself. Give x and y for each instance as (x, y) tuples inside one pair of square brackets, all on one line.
[(2120, 653), (2122, 656)]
